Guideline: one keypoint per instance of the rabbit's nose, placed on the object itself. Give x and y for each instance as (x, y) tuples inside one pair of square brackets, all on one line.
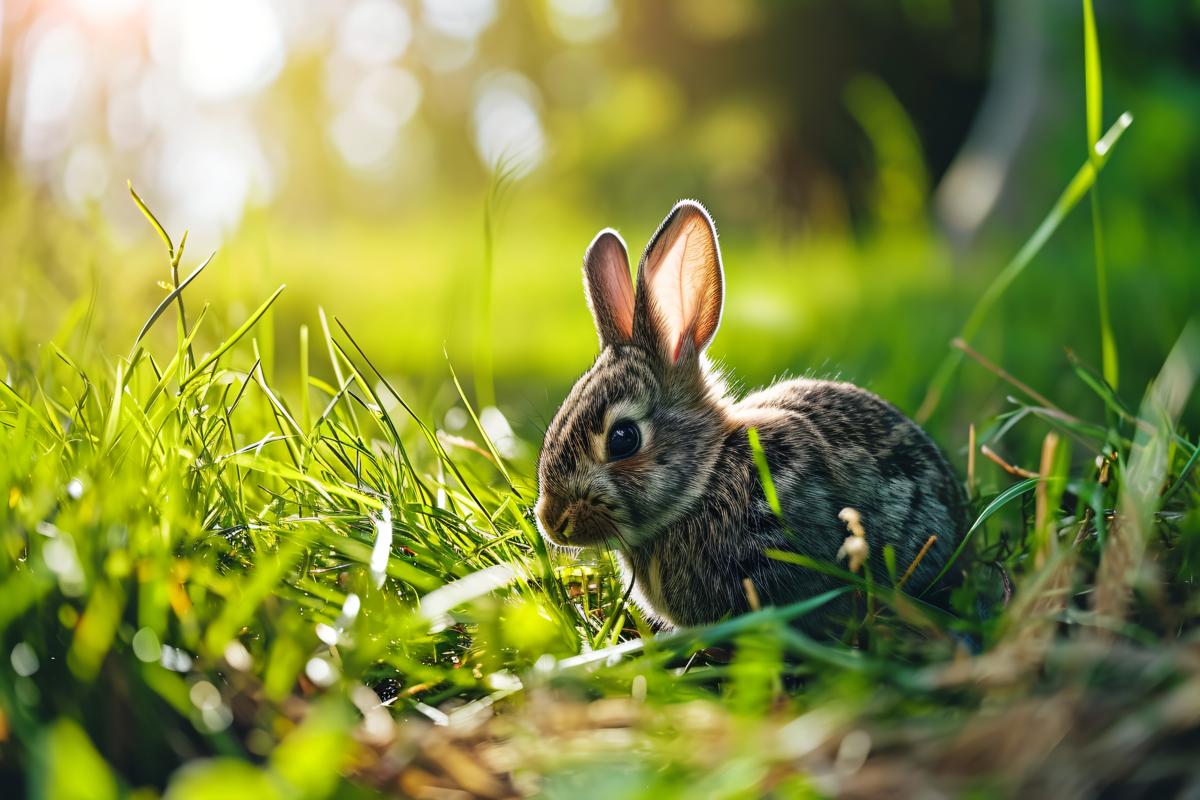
[(553, 514)]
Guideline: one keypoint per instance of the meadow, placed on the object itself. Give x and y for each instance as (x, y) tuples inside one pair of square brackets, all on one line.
[(266, 529)]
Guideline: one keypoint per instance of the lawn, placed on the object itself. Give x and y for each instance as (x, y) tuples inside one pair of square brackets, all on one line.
[(265, 541)]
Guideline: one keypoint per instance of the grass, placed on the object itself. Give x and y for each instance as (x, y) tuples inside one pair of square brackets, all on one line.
[(208, 587), (214, 583)]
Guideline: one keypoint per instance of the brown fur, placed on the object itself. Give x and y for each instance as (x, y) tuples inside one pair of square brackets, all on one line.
[(687, 512)]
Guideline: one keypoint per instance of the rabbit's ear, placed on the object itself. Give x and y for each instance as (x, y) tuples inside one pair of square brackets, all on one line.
[(681, 286), (609, 288)]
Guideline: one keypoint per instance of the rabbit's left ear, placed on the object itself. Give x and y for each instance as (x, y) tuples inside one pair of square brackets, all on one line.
[(681, 286)]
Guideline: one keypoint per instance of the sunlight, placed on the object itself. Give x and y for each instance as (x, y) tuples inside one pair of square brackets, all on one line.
[(364, 130), (461, 19), (210, 170), (87, 174), (582, 20), (360, 432), (221, 48), (374, 32), (106, 11), (508, 128), (57, 72)]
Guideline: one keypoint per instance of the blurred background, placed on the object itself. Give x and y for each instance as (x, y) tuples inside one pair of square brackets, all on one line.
[(430, 171)]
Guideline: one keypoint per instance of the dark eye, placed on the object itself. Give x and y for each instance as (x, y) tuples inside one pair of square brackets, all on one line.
[(623, 440)]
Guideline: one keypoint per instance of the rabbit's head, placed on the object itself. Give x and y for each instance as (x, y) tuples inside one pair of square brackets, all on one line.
[(635, 441)]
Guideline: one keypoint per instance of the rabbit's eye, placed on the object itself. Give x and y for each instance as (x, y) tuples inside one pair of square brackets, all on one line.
[(623, 440)]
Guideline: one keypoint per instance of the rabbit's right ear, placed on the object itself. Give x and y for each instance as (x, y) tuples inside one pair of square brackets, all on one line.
[(609, 287)]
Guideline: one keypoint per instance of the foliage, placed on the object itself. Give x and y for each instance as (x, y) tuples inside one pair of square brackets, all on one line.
[(208, 586), (219, 577)]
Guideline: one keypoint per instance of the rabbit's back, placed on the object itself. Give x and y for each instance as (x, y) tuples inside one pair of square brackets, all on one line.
[(828, 446), (831, 445)]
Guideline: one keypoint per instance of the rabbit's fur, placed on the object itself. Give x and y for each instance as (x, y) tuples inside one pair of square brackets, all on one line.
[(687, 511)]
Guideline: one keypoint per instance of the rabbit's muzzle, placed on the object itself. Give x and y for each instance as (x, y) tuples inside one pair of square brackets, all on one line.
[(573, 523)]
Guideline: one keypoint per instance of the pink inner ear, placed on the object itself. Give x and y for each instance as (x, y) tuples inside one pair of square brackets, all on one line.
[(617, 289), (679, 282)]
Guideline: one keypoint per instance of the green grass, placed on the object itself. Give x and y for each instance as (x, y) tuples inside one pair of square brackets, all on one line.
[(223, 579), (212, 582)]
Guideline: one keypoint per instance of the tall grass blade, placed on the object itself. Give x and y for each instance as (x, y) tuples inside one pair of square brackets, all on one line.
[(1083, 180), (504, 175), (1092, 78), (1095, 113), (153, 220), (112, 424)]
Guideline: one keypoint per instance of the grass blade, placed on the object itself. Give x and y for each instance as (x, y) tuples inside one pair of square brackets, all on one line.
[(166, 301), (149, 215), (1093, 89), (1091, 70), (1083, 180), (1000, 501), (232, 340), (487, 440), (764, 472), (687, 638), (33, 413), (114, 410), (1144, 477)]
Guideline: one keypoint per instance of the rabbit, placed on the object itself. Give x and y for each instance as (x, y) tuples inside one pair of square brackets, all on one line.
[(649, 453)]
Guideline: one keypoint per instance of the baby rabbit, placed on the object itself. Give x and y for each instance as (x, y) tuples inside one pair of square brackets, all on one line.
[(650, 455)]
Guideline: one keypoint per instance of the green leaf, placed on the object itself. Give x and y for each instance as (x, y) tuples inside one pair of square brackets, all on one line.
[(22, 404), (1149, 459), (1108, 342), (1102, 389), (889, 561), (67, 766), (487, 440), (114, 410), (894, 597), (1184, 474), (688, 639)]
